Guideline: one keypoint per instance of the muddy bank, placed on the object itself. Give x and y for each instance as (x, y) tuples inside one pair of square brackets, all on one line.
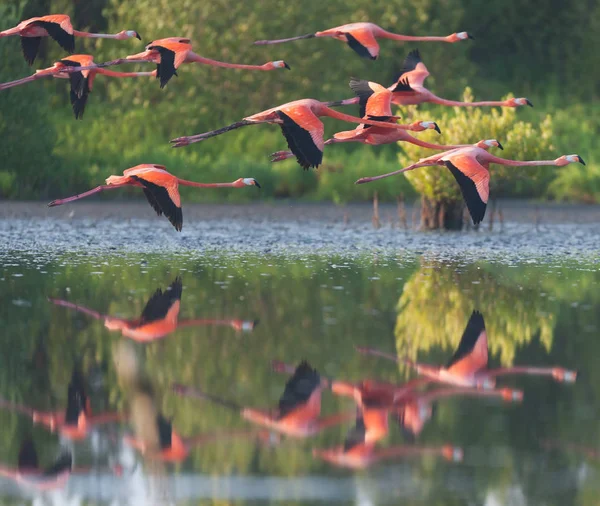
[(529, 230)]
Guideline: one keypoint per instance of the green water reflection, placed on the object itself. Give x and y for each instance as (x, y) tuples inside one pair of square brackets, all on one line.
[(537, 451)]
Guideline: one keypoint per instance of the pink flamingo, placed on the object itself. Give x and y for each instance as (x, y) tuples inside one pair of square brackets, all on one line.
[(468, 366), (160, 188), (174, 447), (362, 38), (470, 168), (82, 71), (300, 125), (159, 318), (299, 409), (58, 27), (76, 421), (409, 90), (170, 53), (377, 105)]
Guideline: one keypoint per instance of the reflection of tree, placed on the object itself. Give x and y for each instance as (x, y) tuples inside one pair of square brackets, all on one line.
[(437, 300)]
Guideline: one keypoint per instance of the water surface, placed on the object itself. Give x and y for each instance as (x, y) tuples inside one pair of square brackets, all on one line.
[(101, 316)]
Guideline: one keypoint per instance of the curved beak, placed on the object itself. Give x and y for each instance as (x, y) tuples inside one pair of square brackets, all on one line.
[(437, 128), (469, 36), (256, 184), (528, 102), (137, 36), (500, 145), (580, 160), (285, 65)]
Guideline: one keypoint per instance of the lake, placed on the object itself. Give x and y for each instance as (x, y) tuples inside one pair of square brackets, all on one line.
[(101, 339)]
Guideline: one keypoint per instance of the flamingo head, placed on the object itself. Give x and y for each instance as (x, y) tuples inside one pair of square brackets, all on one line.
[(246, 181), (518, 102), (563, 375), (457, 37), (279, 64), (453, 453), (419, 126), (128, 34), (489, 143), (510, 395), (567, 159)]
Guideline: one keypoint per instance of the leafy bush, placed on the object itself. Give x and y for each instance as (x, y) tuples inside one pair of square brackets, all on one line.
[(461, 125)]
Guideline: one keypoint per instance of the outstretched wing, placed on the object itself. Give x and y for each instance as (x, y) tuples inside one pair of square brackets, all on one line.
[(413, 69), (65, 39), (165, 431), (374, 100), (474, 181), (299, 388), (159, 305), (30, 47), (303, 132), (166, 69), (77, 399), (363, 42), (165, 199), (28, 458), (472, 352), (356, 435)]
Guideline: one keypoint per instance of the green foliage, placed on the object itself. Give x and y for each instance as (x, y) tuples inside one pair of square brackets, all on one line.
[(461, 125)]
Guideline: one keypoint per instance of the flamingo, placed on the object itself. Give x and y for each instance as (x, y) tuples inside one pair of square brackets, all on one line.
[(160, 188), (174, 447), (59, 27), (298, 412), (377, 105), (409, 90), (362, 38), (159, 318), (468, 366), (76, 420), (300, 124), (29, 472), (81, 70), (170, 53), (470, 168)]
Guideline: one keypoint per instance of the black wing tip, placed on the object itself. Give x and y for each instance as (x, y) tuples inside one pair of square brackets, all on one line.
[(475, 205), (477, 319)]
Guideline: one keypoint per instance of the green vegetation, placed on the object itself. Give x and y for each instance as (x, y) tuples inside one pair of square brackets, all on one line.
[(520, 47)]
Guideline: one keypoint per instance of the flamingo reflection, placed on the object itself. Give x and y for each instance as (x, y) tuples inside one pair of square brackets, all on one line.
[(30, 474), (298, 411), (468, 365), (76, 421), (175, 448), (159, 318)]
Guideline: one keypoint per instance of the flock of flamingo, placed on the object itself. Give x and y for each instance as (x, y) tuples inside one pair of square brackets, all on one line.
[(299, 120), (296, 416)]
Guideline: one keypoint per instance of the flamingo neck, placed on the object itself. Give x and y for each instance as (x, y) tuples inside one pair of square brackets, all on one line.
[(184, 182), (326, 111), (518, 163), (193, 57), (113, 73), (456, 103), (89, 35), (396, 36), (429, 145)]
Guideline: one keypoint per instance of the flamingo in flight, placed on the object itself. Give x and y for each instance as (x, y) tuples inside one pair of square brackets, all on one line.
[(301, 126), (174, 447), (470, 168), (358, 453), (160, 188), (81, 70), (59, 27), (468, 365), (362, 38), (377, 104), (29, 472), (170, 53), (409, 90), (76, 421), (159, 318), (298, 411), (412, 408)]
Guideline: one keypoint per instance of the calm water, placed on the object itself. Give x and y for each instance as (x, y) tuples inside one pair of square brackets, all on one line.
[(218, 329)]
